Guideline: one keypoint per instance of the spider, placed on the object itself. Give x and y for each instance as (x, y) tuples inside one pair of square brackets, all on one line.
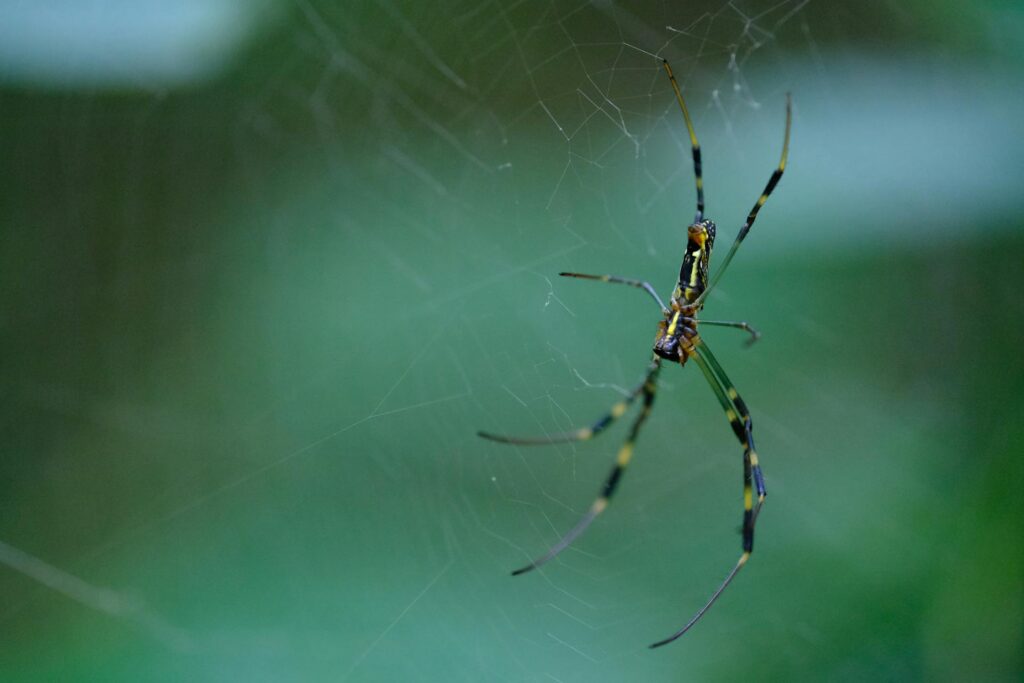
[(678, 340)]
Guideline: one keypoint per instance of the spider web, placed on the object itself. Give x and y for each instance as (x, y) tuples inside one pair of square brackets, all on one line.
[(261, 461)]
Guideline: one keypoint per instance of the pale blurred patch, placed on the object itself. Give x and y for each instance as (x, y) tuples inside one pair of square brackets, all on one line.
[(120, 44)]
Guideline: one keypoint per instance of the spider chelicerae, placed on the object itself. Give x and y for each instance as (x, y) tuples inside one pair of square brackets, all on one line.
[(679, 341)]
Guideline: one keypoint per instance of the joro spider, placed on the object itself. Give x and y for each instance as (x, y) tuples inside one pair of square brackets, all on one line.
[(678, 340)]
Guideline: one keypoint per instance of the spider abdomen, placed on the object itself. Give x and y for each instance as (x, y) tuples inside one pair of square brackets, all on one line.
[(693, 271)]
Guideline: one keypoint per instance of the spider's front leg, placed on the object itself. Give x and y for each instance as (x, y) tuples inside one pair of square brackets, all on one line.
[(611, 482), (739, 418), (740, 421), (584, 433)]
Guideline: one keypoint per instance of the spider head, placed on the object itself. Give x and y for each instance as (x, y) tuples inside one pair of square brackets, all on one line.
[(667, 348), (667, 343)]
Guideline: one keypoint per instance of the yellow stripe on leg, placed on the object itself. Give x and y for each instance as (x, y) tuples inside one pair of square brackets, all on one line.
[(755, 465), (625, 454)]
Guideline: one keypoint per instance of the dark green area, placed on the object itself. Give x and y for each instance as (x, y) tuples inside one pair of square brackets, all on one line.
[(248, 333)]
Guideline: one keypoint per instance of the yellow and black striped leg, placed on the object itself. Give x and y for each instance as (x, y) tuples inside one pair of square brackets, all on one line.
[(640, 284), (694, 145), (747, 438), (727, 398), (649, 390), (754, 334), (585, 433), (752, 216)]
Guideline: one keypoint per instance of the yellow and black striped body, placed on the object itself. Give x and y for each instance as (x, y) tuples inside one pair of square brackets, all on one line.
[(680, 323), (678, 340)]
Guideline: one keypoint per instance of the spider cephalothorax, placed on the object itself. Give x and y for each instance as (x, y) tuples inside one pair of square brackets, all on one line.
[(675, 333)]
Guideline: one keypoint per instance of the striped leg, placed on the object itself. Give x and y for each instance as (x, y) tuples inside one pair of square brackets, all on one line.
[(585, 433), (752, 216), (746, 435), (646, 286), (608, 488), (754, 334), (694, 145), (739, 418)]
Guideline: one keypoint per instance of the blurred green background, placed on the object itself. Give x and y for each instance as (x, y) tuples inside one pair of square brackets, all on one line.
[(265, 268)]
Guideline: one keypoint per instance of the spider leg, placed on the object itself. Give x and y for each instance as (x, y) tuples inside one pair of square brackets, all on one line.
[(752, 216), (747, 438), (646, 286), (584, 433), (739, 418), (694, 145), (649, 389), (754, 334)]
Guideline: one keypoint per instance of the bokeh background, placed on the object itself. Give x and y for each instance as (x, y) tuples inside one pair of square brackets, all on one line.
[(266, 267)]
